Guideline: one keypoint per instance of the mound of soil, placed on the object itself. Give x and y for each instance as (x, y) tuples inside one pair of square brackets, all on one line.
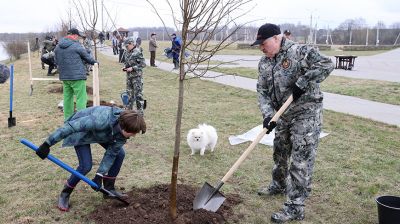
[(151, 205), (59, 89), (103, 103)]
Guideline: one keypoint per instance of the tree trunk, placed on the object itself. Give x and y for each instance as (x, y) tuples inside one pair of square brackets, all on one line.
[(174, 176)]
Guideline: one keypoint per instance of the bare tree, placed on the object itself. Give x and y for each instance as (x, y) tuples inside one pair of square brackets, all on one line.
[(201, 21), (88, 13)]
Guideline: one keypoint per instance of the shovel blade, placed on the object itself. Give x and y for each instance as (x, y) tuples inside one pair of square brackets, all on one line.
[(208, 198), (113, 196), (12, 122)]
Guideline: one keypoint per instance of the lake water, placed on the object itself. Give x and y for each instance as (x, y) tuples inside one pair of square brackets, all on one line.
[(3, 53)]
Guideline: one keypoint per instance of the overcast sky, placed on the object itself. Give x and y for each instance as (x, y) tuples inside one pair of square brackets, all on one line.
[(45, 15)]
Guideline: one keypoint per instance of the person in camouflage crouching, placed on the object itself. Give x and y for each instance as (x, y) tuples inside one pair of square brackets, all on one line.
[(134, 63), (289, 68), (4, 73), (108, 126), (47, 57)]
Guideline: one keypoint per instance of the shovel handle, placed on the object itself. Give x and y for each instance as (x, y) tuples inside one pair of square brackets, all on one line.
[(11, 86), (61, 164), (256, 141)]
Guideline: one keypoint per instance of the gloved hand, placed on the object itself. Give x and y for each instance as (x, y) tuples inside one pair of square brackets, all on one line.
[(297, 92), (269, 126), (43, 150), (98, 179)]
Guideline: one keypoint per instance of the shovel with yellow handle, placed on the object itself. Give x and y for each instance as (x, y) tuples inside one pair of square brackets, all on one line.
[(209, 197)]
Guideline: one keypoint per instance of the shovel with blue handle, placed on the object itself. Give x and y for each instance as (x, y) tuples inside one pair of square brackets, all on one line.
[(209, 197), (11, 120), (74, 172)]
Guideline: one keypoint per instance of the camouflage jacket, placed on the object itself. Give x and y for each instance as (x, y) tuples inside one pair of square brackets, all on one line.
[(48, 45), (135, 59), (87, 44), (294, 63), (93, 125)]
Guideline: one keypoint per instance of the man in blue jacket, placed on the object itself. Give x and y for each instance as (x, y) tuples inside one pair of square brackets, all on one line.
[(108, 126), (176, 50), (70, 58)]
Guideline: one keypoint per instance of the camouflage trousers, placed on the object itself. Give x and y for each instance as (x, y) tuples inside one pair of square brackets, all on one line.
[(296, 141), (134, 86)]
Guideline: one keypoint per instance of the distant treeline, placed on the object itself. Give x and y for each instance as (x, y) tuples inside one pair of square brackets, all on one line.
[(9, 37), (345, 34), (300, 33)]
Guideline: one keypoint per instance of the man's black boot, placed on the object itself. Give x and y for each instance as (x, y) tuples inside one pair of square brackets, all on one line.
[(63, 199), (176, 65)]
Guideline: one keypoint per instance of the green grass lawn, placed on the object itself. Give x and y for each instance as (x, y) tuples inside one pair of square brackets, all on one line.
[(355, 163), (379, 91)]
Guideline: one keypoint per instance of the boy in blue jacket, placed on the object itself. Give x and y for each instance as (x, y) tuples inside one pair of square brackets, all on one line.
[(108, 126)]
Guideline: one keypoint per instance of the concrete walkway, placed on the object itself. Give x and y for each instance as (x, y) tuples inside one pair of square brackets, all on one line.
[(386, 113), (383, 66)]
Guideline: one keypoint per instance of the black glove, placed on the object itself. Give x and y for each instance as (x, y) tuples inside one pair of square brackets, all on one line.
[(297, 92), (98, 179), (43, 150), (269, 126)]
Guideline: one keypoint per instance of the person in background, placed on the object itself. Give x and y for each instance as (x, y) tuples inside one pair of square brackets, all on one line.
[(138, 42), (101, 38), (4, 73), (114, 41), (153, 48), (288, 68), (87, 44), (36, 46), (71, 57), (176, 50), (108, 126), (287, 34), (121, 49), (134, 63), (47, 57)]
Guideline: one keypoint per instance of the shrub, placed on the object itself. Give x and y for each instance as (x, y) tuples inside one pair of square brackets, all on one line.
[(15, 49)]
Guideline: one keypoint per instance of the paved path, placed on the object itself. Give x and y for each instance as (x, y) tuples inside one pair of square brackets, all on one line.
[(383, 66), (386, 113)]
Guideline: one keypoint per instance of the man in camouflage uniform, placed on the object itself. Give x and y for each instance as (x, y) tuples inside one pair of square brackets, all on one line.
[(288, 68), (134, 63), (87, 44)]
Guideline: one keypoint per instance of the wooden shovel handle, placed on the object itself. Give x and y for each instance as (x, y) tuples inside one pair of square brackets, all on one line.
[(256, 141)]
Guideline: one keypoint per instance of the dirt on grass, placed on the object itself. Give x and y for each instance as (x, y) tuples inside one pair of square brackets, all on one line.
[(151, 205), (59, 89), (89, 90), (104, 103)]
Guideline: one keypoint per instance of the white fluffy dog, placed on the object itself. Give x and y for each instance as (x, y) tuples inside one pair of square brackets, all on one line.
[(205, 136)]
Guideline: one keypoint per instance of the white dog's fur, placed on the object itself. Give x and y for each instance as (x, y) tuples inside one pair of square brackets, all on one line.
[(205, 136)]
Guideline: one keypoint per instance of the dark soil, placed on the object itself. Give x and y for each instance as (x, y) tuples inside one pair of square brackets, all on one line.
[(103, 103), (89, 91), (59, 89), (151, 205)]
